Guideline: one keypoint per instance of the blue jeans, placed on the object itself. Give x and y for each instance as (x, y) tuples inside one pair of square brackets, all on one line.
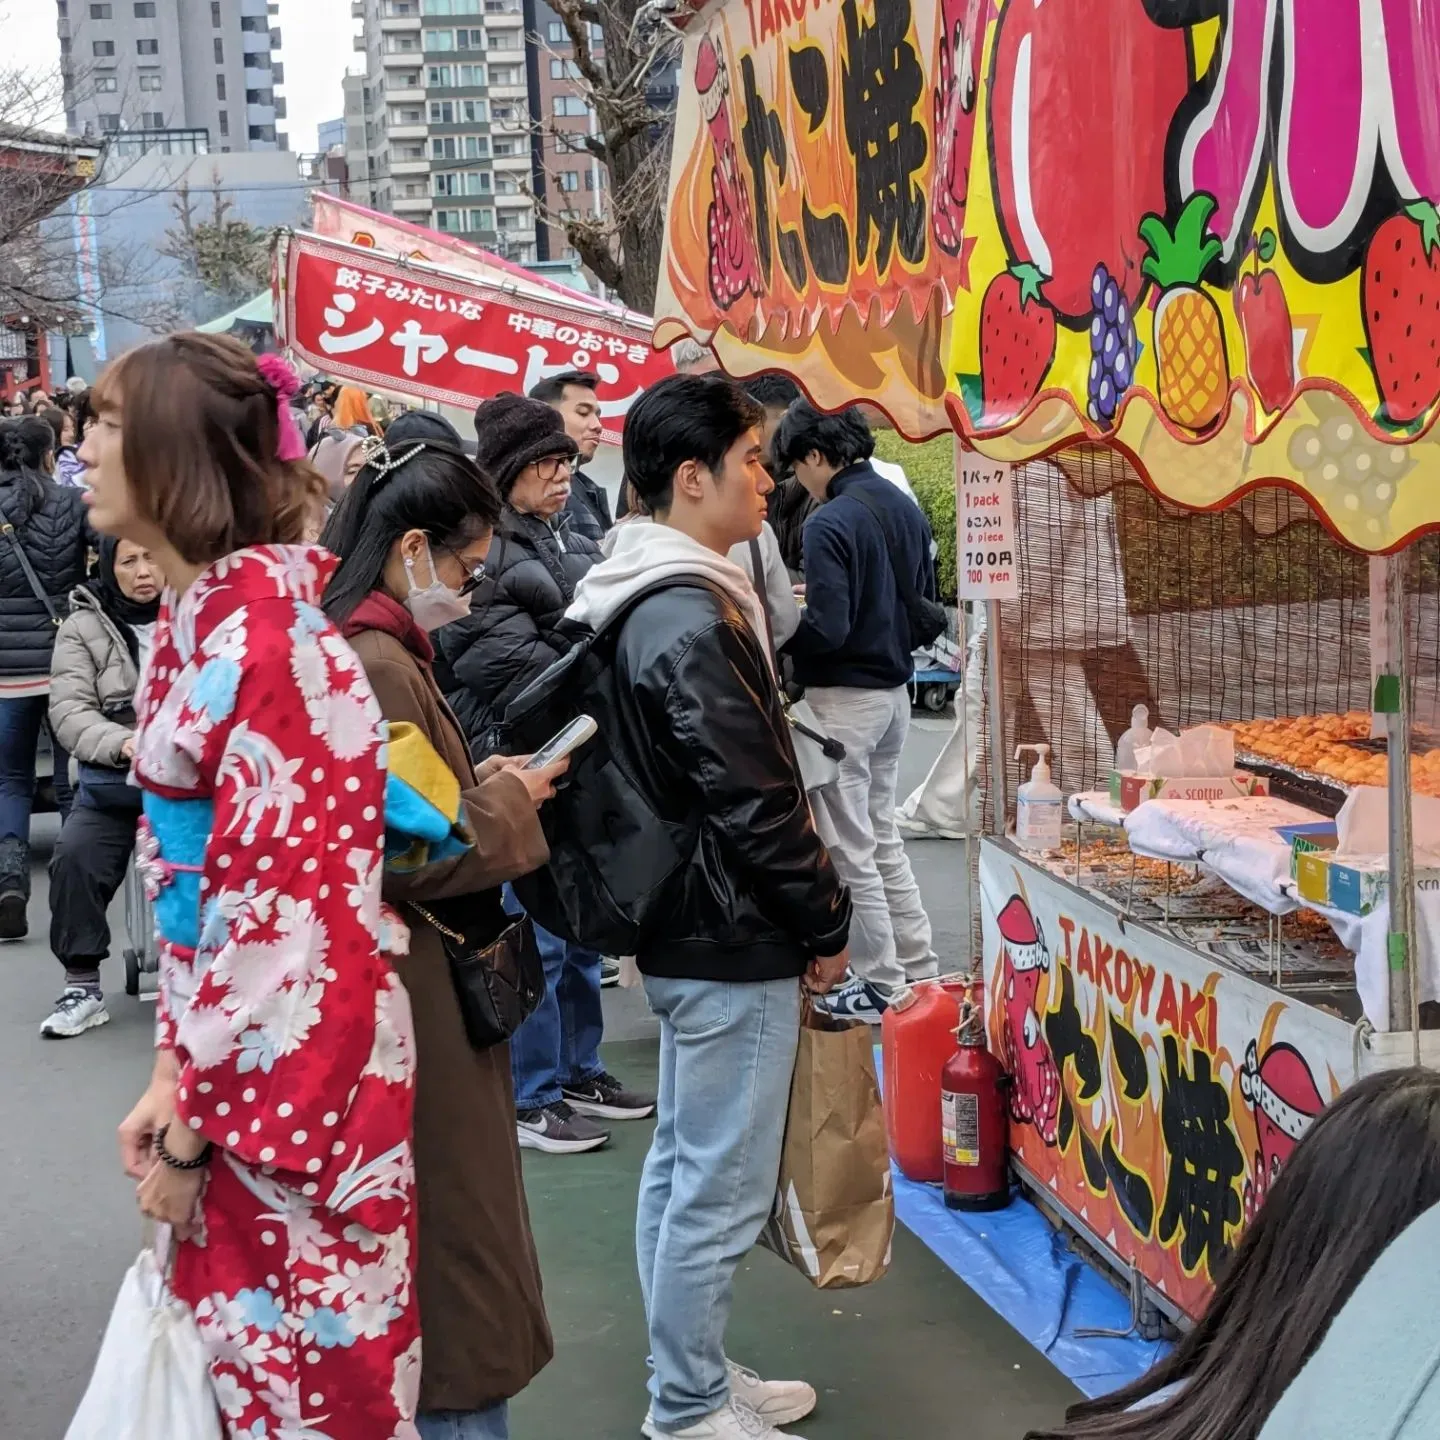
[(727, 1054), (491, 1424), (20, 722), (559, 1044)]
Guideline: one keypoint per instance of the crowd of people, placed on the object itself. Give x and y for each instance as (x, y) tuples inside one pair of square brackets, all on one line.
[(335, 1147)]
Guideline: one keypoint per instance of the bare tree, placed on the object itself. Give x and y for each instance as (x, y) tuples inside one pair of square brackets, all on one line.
[(225, 259), (622, 244)]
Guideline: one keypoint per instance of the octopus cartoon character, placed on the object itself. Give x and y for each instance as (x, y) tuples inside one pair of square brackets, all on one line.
[(1282, 1093), (963, 23), (1035, 1094), (734, 266)]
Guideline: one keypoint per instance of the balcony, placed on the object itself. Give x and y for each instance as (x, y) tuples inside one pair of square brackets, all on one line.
[(413, 207), (263, 115), (409, 131), (258, 79), (406, 94), (358, 42), (409, 167), (357, 9), (395, 24)]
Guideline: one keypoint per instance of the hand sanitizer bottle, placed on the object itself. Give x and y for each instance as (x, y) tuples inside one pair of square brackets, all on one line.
[(1135, 738), (1038, 805)]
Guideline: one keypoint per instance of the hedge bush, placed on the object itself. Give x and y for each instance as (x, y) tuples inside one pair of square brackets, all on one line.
[(931, 471)]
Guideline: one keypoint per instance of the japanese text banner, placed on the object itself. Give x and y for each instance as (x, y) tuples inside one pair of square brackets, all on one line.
[(420, 331), (1155, 1094), (1207, 234)]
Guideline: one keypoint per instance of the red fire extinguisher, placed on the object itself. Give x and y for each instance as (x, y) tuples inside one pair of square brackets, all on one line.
[(973, 1118)]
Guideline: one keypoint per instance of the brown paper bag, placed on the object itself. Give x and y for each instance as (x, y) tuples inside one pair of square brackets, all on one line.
[(834, 1213)]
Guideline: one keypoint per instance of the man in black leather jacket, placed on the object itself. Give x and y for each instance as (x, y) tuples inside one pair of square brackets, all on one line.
[(698, 726)]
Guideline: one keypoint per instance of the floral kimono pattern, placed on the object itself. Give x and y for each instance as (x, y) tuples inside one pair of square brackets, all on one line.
[(261, 755)]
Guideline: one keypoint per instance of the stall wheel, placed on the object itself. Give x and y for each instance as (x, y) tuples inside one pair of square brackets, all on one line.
[(934, 697), (132, 972)]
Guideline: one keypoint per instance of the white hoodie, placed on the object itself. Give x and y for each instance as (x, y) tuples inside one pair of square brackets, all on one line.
[(644, 553)]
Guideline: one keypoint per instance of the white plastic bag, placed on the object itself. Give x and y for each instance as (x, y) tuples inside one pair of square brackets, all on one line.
[(151, 1380)]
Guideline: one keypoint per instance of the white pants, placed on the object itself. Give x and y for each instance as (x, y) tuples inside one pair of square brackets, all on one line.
[(890, 940)]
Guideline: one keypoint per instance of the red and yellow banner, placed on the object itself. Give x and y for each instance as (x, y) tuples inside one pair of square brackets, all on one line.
[(1205, 233)]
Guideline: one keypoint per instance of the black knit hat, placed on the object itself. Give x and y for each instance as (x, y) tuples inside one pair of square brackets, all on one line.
[(513, 432)]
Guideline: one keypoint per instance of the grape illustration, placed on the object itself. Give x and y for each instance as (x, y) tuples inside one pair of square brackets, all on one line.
[(1114, 347)]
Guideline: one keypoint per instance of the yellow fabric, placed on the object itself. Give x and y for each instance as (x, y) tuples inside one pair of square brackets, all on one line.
[(416, 761)]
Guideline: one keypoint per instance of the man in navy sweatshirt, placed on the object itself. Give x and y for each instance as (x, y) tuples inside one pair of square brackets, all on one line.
[(852, 654)]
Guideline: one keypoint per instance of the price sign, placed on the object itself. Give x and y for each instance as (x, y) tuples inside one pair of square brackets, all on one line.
[(989, 558)]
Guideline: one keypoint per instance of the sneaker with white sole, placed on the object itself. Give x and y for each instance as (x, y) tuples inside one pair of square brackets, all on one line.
[(778, 1402), (79, 1009), (605, 1096), (609, 972), (856, 1000), (558, 1130), (731, 1422)]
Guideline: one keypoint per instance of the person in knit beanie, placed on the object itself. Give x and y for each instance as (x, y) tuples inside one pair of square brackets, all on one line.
[(508, 639)]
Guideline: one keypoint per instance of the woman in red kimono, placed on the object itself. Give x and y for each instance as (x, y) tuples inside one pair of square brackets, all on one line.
[(275, 1135)]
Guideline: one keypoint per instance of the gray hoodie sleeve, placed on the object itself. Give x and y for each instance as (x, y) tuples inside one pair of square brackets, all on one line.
[(778, 593)]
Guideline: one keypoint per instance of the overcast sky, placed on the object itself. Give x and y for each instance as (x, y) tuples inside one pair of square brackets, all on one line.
[(316, 54)]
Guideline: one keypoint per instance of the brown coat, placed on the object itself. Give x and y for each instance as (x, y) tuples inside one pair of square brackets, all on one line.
[(483, 1325)]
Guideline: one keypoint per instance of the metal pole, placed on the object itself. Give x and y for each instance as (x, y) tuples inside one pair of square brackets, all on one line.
[(995, 699), (1392, 699)]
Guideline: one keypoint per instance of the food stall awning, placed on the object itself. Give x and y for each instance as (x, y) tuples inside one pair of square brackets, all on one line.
[(412, 328), (1208, 239), (259, 311)]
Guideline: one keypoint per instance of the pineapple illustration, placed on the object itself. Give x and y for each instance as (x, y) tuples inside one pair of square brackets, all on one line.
[(1189, 338)]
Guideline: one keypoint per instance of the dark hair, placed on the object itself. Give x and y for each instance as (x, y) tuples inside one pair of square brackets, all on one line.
[(1365, 1169), (55, 419), (24, 443), (842, 439), (201, 446), (82, 412), (441, 491), (774, 392), (683, 417), (551, 390)]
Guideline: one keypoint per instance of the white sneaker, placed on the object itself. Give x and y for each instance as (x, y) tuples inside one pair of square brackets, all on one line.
[(779, 1402), (736, 1420), (79, 1009)]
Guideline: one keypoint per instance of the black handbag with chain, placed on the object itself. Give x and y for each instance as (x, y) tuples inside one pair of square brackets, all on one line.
[(498, 977)]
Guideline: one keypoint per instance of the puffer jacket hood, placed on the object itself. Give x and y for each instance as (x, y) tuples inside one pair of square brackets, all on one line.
[(509, 637), (50, 524), (92, 685)]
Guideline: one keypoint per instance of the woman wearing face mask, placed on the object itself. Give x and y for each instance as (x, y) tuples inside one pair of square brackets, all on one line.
[(99, 653), (275, 1136), (413, 534)]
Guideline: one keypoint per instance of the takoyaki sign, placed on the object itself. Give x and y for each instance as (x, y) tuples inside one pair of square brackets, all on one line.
[(1154, 1094), (1194, 227)]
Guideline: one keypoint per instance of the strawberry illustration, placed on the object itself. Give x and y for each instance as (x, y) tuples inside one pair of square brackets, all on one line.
[(1400, 298), (1264, 316), (1017, 342)]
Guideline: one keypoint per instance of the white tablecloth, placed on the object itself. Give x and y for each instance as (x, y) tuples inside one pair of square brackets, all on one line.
[(1095, 807)]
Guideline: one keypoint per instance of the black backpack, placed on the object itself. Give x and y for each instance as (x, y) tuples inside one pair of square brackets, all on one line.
[(612, 856), (927, 618)]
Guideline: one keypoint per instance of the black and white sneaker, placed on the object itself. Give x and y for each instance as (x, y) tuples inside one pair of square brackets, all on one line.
[(558, 1130), (605, 1096), (609, 972), (856, 1001), (79, 1009)]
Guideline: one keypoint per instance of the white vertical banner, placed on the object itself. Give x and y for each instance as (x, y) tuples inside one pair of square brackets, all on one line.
[(988, 558)]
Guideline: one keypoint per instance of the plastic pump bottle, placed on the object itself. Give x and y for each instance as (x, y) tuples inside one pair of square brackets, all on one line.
[(1039, 807), (1135, 738)]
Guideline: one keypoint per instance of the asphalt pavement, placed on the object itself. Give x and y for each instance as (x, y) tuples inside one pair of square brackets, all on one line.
[(70, 1227)]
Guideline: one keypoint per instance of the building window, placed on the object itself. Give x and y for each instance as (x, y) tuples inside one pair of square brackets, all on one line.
[(442, 112), (220, 87), (106, 84), (147, 47), (101, 12), (475, 112), (144, 9), (102, 49), (477, 147), (570, 105), (439, 40), (507, 147), (219, 52), (150, 81), (556, 33), (109, 124), (570, 180), (447, 220), (215, 13), (224, 122), (442, 147), (152, 119), (590, 179), (442, 77), (564, 70), (63, 6), (505, 75)]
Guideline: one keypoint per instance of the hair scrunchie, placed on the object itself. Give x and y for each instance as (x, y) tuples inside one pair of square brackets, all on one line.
[(279, 375)]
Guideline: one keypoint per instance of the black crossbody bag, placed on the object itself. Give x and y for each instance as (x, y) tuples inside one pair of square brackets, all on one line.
[(8, 530)]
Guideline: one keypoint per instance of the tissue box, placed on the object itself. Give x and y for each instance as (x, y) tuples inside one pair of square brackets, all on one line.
[(1128, 788), (1311, 870), (1358, 886)]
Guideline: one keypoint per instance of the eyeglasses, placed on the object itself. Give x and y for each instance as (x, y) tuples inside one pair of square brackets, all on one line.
[(550, 467), (475, 572)]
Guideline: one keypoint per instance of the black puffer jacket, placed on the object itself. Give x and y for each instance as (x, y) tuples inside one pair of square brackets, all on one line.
[(50, 523), (509, 637), (691, 714), (588, 507)]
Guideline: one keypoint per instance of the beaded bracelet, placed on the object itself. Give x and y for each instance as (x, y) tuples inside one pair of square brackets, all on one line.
[(201, 1160)]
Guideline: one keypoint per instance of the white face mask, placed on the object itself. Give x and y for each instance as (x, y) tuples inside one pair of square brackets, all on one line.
[(436, 604)]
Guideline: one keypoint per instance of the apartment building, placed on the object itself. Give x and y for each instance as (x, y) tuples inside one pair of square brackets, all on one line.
[(146, 66), (444, 107)]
